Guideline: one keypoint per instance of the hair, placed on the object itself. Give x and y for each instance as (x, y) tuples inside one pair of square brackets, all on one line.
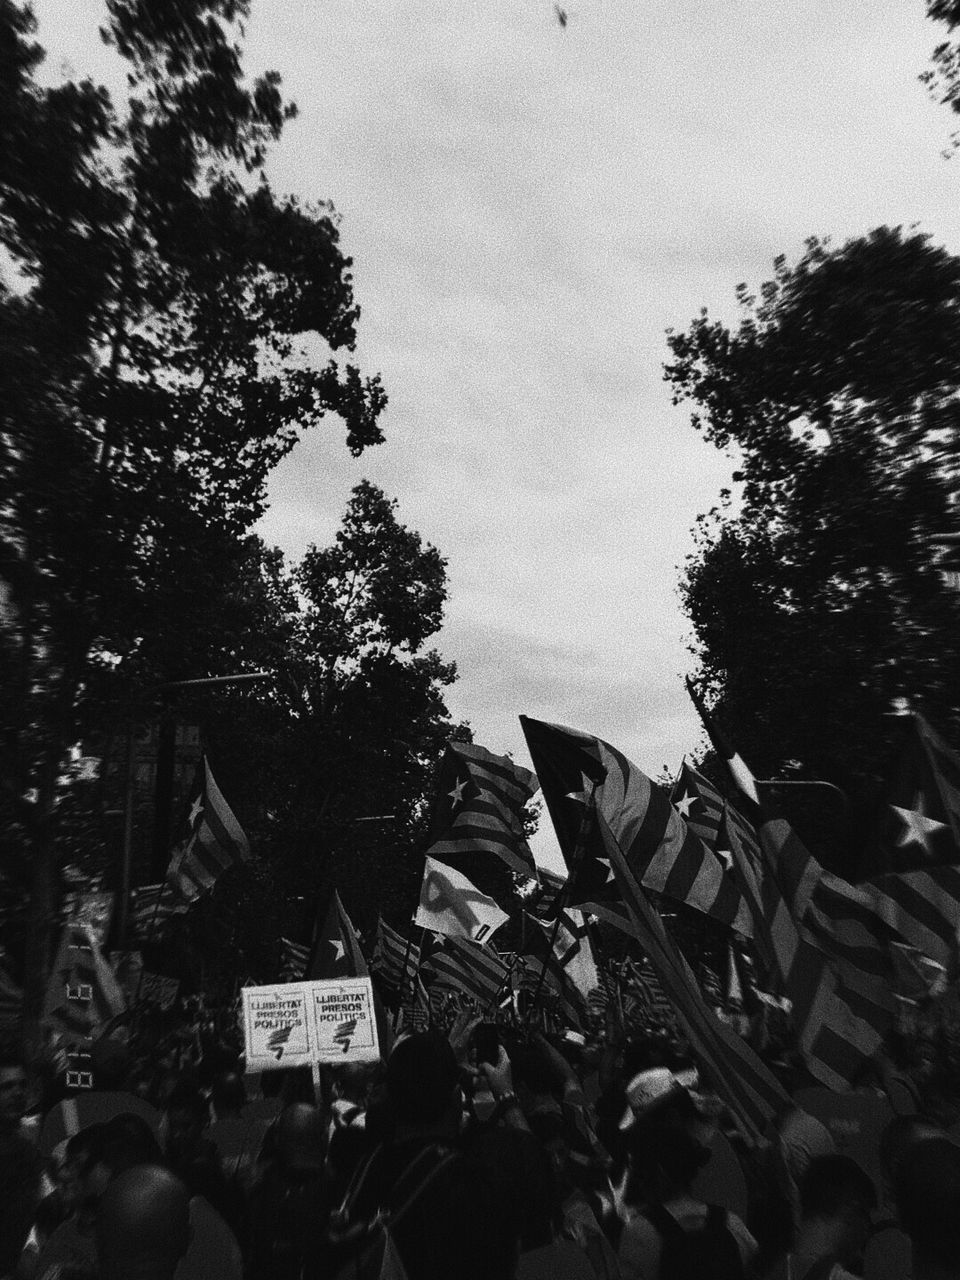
[(229, 1093), (833, 1183), (421, 1076), (665, 1159), (129, 1141), (927, 1184)]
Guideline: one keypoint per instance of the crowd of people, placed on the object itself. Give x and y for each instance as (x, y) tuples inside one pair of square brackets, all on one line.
[(482, 1152)]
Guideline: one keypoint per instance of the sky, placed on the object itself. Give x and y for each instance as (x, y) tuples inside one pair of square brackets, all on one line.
[(529, 208)]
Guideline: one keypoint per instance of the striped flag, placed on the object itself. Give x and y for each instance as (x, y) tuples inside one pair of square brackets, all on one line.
[(663, 853), (828, 940), (470, 968), (543, 901), (394, 956), (480, 807), (913, 862), (293, 960), (214, 843)]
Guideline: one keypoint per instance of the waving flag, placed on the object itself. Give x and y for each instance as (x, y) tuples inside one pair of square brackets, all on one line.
[(470, 968), (662, 851), (336, 948), (395, 958), (480, 807), (214, 842), (293, 960), (451, 905)]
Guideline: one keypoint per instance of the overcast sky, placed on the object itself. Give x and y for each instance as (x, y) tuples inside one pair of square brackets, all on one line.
[(529, 207)]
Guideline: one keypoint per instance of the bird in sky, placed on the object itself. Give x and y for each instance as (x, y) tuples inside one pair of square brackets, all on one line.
[(561, 15)]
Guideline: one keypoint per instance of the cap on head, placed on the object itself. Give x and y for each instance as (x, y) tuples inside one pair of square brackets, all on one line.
[(651, 1090)]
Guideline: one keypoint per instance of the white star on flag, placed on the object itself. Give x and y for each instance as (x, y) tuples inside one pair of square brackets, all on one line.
[(685, 804), (456, 795), (196, 809), (605, 862), (917, 827), (726, 857), (583, 795), (339, 948)]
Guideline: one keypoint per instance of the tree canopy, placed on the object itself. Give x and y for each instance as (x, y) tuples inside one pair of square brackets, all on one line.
[(813, 593), (160, 309)]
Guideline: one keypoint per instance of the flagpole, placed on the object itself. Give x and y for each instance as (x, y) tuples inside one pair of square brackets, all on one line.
[(579, 853)]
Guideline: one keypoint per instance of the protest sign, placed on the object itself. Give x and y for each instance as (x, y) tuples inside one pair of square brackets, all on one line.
[(294, 1024), (277, 1026), (345, 1023)]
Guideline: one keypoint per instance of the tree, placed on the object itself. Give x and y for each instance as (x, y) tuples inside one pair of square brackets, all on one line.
[(814, 598), (943, 79), (155, 322), (336, 757)]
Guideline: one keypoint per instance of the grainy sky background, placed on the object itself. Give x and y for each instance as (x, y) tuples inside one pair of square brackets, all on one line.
[(529, 208)]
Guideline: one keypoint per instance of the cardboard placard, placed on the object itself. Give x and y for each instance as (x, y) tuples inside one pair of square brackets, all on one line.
[(295, 1024), (345, 1023)]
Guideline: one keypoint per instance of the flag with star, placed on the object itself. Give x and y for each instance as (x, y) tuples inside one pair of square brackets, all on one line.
[(214, 841), (576, 768), (479, 808), (920, 820), (914, 853), (336, 948)]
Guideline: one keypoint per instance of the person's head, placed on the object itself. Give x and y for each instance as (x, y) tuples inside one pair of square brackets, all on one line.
[(838, 1195), (129, 1141), (187, 1116), (13, 1091), (301, 1138), (143, 1225), (664, 1159), (422, 1083), (88, 1168), (229, 1094), (927, 1187)]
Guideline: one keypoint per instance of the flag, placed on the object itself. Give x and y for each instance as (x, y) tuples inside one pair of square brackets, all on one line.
[(214, 842), (336, 948), (544, 899), (152, 906), (82, 993), (913, 861), (551, 947), (829, 942), (293, 960), (572, 948), (662, 851), (480, 807), (451, 905), (470, 968), (414, 1013), (395, 958)]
